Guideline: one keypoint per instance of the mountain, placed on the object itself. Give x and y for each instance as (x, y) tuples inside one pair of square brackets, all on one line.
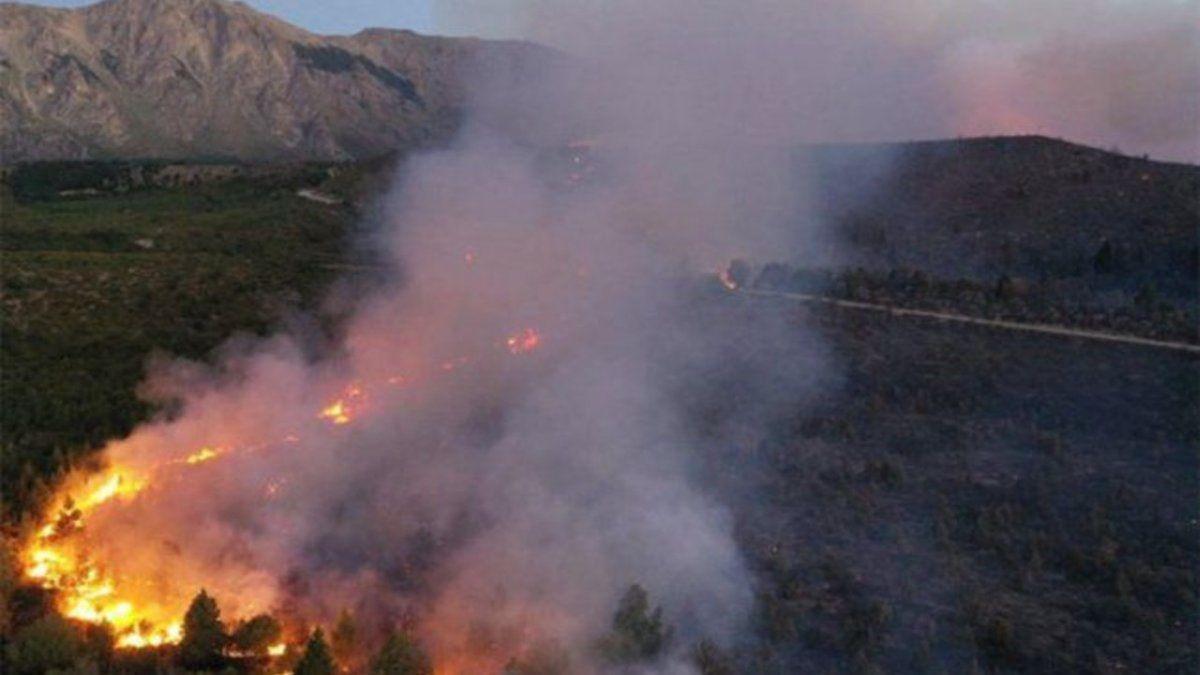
[(213, 78)]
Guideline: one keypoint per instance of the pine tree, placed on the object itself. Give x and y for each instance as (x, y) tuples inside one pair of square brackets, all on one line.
[(344, 638), (710, 659), (638, 634), (400, 655), (316, 660), (204, 637)]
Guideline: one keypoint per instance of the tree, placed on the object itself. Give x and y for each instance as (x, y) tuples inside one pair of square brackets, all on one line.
[(711, 659), (1106, 260), (50, 643), (204, 637), (344, 638), (400, 655), (255, 636), (638, 634), (316, 660)]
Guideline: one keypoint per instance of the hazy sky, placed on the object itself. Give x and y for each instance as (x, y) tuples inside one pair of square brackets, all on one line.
[(342, 16)]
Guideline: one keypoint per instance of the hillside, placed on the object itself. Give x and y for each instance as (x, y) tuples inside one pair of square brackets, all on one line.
[(1028, 207), (213, 78), (1027, 229)]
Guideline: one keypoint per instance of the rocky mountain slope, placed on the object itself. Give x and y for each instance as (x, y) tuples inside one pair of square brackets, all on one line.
[(213, 78)]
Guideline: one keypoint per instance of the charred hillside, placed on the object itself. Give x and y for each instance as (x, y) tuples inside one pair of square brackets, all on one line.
[(1027, 207)]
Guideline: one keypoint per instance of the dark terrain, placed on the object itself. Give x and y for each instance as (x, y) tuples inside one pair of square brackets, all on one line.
[(972, 499), (949, 499), (1024, 228), (1026, 207)]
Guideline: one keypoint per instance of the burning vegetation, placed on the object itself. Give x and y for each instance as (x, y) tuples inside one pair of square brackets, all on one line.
[(58, 557)]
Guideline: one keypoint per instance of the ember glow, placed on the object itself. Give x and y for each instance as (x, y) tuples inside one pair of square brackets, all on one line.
[(523, 342), (343, 409), (727, 279), (202, 455)]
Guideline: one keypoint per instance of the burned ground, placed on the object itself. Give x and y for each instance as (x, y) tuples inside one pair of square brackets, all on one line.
[(972, 498)]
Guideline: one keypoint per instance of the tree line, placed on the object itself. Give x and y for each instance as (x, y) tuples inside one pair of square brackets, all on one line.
[(51, 643)]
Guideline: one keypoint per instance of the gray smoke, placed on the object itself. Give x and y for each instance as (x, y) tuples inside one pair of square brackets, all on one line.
[(1111, 73), (505, 497)]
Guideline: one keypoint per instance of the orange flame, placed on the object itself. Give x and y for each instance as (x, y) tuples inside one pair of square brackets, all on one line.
[(523, 342), (202, 455), (342, 410), (84, 590)]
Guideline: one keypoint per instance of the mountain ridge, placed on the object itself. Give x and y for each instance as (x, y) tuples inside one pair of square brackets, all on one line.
[(214, 78)]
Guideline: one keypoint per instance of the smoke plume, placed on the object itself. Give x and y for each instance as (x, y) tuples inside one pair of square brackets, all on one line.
[(496, 447)]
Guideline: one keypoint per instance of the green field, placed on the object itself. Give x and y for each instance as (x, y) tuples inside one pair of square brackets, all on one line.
[(92, 286)]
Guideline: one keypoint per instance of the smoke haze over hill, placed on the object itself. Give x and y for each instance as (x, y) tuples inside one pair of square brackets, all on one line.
[(1102, 72)]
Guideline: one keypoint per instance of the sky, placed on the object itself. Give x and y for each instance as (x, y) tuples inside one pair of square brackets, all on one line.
[(342, 16)]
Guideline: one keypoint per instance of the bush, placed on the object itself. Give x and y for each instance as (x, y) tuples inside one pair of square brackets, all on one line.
[(255, 636), (50, 643)]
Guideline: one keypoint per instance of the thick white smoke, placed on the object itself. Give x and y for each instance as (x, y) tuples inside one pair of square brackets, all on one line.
[(503, 494)]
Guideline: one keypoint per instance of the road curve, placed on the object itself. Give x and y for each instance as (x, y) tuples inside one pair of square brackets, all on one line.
[(1044, 329)]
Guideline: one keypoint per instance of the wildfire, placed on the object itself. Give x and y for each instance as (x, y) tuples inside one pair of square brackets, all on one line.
[(342, 410), (116, 485), (523, 342), (85, 592), (57, 560), (727, 279), (336, 413), (136, 639), (202, 455)]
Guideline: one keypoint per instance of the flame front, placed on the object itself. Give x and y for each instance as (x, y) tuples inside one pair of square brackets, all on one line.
[(85, 591), (57, 557)]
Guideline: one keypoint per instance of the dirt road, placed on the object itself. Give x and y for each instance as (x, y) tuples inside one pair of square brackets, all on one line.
[(1044, 329)]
